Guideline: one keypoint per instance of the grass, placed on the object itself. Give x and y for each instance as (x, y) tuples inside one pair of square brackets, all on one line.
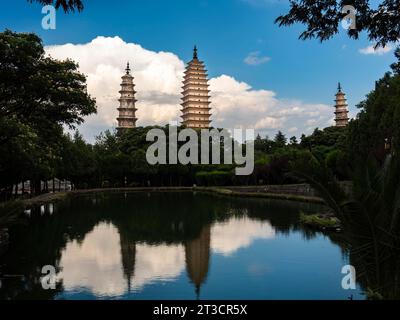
[(320, 221)]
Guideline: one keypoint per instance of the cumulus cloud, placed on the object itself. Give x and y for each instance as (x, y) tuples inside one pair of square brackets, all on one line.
[(371, 50), (237, 105), (158, 79), (237, 233), (255, 59), (95, 264)]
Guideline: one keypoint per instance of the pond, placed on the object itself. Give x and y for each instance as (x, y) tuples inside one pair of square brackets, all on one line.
[(173, 245)]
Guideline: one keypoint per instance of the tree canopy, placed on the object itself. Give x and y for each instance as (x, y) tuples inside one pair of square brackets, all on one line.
[(38, 97), (66, 5), (322, 19)]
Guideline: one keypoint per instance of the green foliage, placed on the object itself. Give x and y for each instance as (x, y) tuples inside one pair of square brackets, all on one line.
[(319, 221), (376, 129), (213, 178), (66, 5), (280, 140), (370, 215), (38, 96), (322, 19)]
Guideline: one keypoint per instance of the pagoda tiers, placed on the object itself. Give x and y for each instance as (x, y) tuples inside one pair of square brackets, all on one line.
[(127, 109), (341, 112), (196, 105)]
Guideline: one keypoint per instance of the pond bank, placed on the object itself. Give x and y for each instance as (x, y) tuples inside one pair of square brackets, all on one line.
[(249, 192), (44, 199), (257, 192)]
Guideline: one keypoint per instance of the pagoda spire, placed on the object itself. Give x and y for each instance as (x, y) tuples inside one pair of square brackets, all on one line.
[(128, 69), (341, 108), (195, 57)]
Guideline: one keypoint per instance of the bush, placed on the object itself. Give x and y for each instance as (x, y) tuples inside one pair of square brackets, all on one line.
[(213, 178)]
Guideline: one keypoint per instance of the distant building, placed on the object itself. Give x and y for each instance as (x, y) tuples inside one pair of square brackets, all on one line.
[(341, 109), (196, 105), (127, 110)]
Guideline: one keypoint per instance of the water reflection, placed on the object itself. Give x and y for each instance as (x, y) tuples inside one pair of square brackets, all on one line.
[(236, 233), (166, 246)]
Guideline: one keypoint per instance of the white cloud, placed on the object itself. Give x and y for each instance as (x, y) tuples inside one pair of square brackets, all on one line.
[(255, 59), (237, 105), (158, 79), (95, 264), (230, 236), (370, 50), (157, 263)]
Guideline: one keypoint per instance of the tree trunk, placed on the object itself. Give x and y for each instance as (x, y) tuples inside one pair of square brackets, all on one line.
[(37, 187)]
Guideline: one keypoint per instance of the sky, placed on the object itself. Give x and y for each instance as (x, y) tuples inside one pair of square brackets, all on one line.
[(261, 75)]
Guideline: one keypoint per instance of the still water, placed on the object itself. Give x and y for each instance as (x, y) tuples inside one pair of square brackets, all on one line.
[(172, 246)]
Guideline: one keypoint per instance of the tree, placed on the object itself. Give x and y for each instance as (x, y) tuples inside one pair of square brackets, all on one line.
[(39, 90), (323, 17), (38, 96), (280, 140), (293, 141), (370, 216), (376, 129), (78, 162), (66, 5)]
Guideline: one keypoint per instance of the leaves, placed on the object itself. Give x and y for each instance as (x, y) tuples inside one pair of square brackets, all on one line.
[(66, 5), (38, 96), (322, 19)]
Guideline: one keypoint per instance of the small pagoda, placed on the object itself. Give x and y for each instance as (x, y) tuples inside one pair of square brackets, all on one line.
[(127, 110), (341, 108), (196, 105)]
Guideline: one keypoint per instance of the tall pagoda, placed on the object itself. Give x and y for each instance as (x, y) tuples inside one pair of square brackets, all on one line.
[(196, 105), (341, 110), (127, 109)]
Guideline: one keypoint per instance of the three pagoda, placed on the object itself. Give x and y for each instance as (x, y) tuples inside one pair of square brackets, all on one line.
[(196, 111)]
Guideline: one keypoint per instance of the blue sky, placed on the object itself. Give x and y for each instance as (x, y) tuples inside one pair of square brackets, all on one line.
[(226, 32)]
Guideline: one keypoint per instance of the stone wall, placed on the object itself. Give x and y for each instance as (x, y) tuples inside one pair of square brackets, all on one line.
[(292, 189)]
